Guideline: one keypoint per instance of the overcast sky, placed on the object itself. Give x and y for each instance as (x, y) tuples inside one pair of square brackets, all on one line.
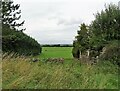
[(57, 21)]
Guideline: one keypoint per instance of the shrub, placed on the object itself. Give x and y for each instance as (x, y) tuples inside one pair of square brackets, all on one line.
[(75, 52), (112, 53)]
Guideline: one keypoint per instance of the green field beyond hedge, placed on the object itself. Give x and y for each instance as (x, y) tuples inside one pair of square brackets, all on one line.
[(56, 52)]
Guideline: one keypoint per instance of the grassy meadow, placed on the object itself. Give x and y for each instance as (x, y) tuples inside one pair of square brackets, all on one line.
[(22, 73), (56, 52)]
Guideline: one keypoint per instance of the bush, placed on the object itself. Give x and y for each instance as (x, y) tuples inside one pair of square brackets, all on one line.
[(76, 52), (112, 53)]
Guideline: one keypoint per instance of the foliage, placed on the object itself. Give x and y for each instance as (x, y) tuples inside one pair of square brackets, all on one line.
[(82, 37), (13, 39), (75, 50), (107, 23), (11, 15), (105, 29), (20, 43), (112, 53), (102, 33), (82, 41)]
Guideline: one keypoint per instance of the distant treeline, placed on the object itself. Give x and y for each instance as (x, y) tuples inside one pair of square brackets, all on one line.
[(57, 45)]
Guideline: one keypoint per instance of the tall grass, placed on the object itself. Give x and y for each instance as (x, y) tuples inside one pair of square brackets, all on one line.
[(21, 72)]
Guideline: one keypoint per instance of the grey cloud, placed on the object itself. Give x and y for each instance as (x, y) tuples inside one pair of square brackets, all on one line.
[(71, 21), (65, 35), (40, 9)]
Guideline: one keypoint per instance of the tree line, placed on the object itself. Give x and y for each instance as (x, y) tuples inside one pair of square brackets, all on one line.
[(57, 45)]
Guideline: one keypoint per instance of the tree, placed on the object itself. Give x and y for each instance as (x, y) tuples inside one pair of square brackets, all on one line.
[(82, 37), (107, 23), (11, 15), (105, 28), (82, 41)]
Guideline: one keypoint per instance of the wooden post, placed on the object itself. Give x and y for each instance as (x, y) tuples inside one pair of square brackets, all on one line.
[(88, 53), (80, 54)]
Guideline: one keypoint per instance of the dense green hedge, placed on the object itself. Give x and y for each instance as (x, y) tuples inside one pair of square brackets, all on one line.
[(18, 42)]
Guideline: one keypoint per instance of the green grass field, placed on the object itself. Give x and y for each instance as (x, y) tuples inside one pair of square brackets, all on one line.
[(56, 52), (21, 73)]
